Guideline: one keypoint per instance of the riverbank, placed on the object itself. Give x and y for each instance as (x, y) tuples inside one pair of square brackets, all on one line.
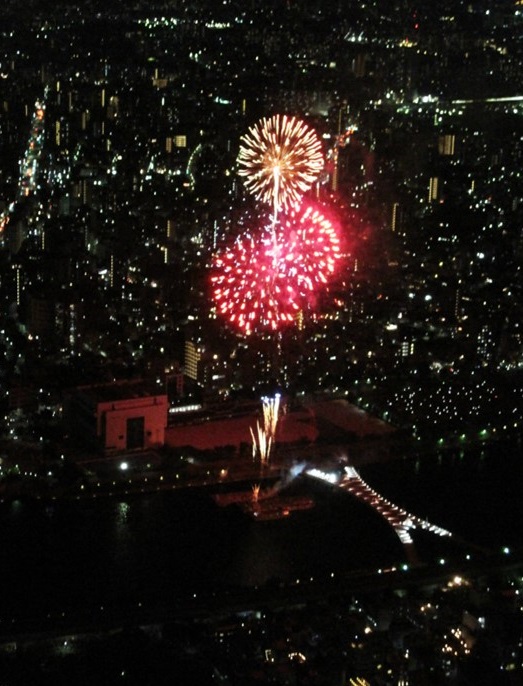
[(142, 472)]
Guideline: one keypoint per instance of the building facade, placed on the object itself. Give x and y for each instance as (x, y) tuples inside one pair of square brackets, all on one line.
[(118, 417)]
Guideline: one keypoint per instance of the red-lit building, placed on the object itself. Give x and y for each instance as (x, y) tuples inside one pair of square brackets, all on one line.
[(117, 417)]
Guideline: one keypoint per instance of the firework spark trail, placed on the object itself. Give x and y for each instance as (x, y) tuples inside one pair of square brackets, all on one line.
[(280, 158), (255, 492), (265, 435), (261, 444), (271, 407)]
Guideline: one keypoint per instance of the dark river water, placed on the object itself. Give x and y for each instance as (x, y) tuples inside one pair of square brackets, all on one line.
[(114, 551)]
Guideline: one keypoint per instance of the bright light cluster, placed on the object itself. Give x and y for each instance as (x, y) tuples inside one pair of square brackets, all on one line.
[(264, 282), (265, 436), (271, 409), (312, 246), (280, 158), (249, 288), (274, 270)]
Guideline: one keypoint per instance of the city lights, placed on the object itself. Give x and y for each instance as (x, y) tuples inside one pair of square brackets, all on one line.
[(261, 326)]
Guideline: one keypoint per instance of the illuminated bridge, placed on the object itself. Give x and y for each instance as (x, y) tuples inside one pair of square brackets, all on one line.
[(399, 519)]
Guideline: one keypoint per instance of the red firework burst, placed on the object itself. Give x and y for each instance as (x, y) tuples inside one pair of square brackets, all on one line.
[(263, 282), (311, 247), (248, 287)]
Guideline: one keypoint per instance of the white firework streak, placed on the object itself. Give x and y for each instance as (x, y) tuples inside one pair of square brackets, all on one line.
[(261, 444), (280, 158)]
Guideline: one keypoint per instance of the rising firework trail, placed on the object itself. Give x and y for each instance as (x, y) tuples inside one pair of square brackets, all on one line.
[(261, 444), (265, 435), (271, 408), (280, 158)]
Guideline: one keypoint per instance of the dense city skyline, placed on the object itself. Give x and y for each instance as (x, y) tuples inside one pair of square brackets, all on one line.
[(134, 184), (145, 239)]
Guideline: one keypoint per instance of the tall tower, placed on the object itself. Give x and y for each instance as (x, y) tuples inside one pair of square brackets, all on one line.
[(433, 189)]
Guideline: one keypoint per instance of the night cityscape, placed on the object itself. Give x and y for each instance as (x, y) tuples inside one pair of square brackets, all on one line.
[(261, 342)]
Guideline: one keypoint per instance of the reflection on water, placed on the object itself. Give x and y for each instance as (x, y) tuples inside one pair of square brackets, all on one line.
[(256, 562), (122, 546), (163, 544), (122, 515)]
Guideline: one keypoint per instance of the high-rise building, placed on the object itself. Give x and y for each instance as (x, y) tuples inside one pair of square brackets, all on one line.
[(193, 356), (433, 188), (447, 144)]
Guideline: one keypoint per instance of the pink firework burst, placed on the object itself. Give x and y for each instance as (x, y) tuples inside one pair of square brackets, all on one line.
[(311, 247), (263, 281), (249, 288)]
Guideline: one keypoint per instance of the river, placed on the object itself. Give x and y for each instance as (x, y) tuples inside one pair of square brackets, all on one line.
[(144, 548)]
